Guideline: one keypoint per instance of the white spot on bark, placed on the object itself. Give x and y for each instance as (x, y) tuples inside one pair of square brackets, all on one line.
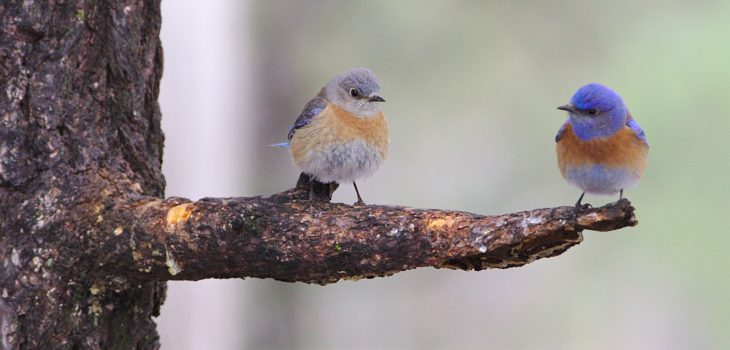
[(15, 257), (482, 249), (4, 324), (531, 221), (49, 295), (172, 267), (534, 220), (15, 91), (3, 157)]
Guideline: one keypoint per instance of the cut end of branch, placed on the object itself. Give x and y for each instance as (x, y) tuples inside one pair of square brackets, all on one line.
[(609, 217), (547, 239)]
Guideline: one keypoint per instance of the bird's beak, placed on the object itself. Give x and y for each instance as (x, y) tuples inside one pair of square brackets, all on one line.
[(376, 98), (569, 108)]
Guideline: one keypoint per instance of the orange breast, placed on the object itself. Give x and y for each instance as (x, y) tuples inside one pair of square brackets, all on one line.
[(624, 149), (335, 126)]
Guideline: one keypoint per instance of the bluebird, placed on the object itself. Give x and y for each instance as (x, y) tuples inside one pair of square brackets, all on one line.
[(601, 148), (341, 135)]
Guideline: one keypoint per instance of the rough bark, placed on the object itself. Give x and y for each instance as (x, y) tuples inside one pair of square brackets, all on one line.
[(290, 238), (79, 130), (86, 239)]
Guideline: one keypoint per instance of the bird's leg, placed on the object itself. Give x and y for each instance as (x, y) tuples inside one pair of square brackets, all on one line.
[(311, 194), (359, 199), (578, 205), (621, 194)]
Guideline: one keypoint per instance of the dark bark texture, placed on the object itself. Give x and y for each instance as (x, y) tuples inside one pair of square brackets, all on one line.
[(79, 131), (87, 241), (290, 238)]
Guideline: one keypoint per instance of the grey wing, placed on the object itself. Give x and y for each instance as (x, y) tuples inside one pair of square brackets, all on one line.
[(313, 108)]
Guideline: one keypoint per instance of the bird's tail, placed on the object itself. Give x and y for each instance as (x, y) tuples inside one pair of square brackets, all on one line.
[(281, 145)]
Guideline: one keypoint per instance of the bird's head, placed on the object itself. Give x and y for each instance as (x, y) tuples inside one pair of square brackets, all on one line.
[(357, 91), (596, 111)]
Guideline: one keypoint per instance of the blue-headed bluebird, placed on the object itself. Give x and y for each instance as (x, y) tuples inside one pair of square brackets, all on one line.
[(601, 148), (342, 135)]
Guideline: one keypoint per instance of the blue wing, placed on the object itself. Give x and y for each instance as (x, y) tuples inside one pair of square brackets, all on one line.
[(313, 108), (559, 135), (634, 126), (280, 145)]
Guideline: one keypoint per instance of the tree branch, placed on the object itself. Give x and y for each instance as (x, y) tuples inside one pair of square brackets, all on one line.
[(289, 238)]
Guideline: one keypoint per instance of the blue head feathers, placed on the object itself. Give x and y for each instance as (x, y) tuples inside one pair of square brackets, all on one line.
[(596, 111)]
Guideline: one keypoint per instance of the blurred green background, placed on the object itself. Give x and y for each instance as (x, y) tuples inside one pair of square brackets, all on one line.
[(471, 89)]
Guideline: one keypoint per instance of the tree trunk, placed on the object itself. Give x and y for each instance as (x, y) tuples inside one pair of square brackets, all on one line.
[(80, 129), (86, 240)]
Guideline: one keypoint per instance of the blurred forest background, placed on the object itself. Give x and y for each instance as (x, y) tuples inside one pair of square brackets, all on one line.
[(471, 89)]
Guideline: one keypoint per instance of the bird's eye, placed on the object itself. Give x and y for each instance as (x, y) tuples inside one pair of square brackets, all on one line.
[(354, 93), (592, 111)]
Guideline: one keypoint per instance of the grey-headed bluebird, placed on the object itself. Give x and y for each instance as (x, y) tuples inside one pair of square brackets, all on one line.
[(341, 135)]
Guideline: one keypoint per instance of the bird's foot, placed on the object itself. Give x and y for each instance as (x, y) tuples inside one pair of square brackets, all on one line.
[(583, 206)]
